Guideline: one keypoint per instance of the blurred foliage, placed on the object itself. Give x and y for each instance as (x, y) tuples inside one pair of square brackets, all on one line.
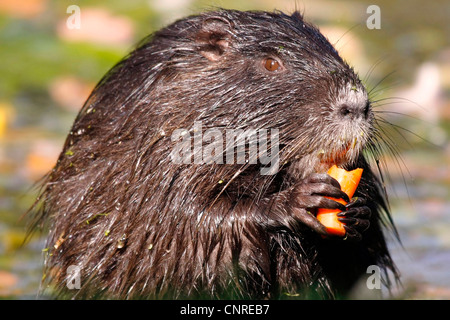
[(32, 54)]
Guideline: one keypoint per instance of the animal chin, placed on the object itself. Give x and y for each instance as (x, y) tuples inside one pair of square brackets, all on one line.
[(339, 154)]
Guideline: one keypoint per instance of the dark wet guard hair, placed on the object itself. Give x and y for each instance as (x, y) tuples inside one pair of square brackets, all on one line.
[(139, 225)]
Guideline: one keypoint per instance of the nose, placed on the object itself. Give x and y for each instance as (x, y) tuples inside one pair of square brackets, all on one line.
[(355, 110)]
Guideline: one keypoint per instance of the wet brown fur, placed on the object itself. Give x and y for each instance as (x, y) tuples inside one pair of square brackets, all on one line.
[(140, 226)]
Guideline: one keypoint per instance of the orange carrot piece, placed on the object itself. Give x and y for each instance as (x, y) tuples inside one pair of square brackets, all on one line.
[(349, 181)]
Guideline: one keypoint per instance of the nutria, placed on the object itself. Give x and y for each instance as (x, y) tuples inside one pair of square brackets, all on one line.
[(139, 224)]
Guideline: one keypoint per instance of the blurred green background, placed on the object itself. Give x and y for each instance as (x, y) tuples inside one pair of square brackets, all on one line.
[(47, 71)]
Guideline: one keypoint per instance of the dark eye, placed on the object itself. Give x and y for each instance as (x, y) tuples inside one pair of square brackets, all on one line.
[(271, 64)]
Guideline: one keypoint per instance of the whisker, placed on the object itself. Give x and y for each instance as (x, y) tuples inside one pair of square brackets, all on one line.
[(372, 91), (398, 129), (372, 69), (405, 115), (402, 99)]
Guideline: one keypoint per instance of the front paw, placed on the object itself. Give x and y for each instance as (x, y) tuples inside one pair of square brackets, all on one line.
[(311, 194), (356, 218)]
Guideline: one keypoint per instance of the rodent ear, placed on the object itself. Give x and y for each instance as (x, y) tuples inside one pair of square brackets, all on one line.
[(214, 37)]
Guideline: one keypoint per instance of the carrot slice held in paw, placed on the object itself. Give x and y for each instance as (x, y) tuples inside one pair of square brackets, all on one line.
[(349, 181)]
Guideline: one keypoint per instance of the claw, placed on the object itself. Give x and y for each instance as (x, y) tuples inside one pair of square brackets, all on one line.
[(356, 202), (315, 192), (356, 219), (351, 234), (310, 220)]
